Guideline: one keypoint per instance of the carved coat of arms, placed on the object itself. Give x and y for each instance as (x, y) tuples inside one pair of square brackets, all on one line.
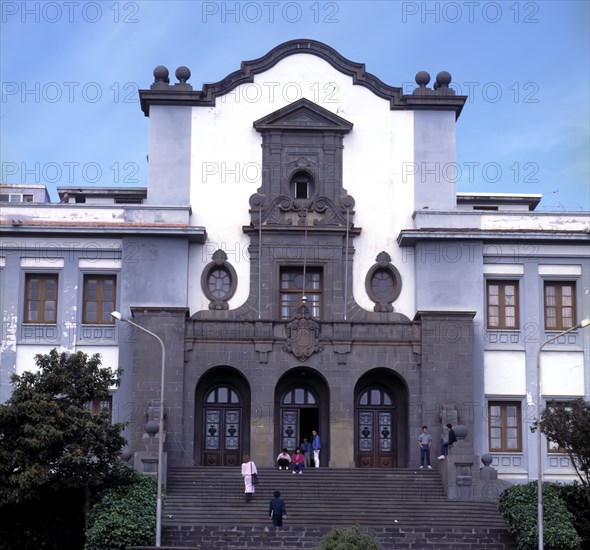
[(303, 334)]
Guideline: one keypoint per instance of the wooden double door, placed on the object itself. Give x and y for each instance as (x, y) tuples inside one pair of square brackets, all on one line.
[(376, 430)]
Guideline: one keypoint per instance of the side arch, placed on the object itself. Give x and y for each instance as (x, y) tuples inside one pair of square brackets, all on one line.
[(381, 433), (222, 417)]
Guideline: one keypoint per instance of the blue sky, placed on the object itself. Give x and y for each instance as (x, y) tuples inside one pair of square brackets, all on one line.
[(70, 73)]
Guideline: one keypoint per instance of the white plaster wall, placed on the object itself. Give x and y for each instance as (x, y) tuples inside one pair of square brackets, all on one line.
[(504, 373), (226, 169), (25, 355), (109, 355), (562, 373)]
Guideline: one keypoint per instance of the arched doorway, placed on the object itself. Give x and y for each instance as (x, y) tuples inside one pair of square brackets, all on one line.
[(222, 416), (302, 402), (381, 420)]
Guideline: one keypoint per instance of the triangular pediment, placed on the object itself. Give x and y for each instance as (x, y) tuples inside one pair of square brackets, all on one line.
[(303, 115)]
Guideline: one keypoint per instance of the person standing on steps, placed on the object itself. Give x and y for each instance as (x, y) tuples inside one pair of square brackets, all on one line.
[(425, 442), (248, 470), (306, 450), (277, 510), (316, 445)]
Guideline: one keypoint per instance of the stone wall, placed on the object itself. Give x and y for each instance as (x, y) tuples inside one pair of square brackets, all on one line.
[(422, 538)]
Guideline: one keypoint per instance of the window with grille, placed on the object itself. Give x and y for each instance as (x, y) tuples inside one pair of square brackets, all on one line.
[(502, 304), (560, 305), (40, 298), (292, 288), (505, 434), (99, 299)]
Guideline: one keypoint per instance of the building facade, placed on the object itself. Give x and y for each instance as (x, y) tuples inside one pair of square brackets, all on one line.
[(303, 253)]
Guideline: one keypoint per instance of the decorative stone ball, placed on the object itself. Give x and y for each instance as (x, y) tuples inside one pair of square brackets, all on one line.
[(161, 73), (152, 427), (486, 459), (183, 74), (126, 454), (460, 431), (443, 79), (422, 78)]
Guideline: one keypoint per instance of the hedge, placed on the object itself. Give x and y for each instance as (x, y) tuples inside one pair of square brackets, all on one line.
[(518, 505), (124, 516), (354, 538)]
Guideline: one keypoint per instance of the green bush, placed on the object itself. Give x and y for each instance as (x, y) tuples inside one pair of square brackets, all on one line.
[(348, 539), (574, 497), (124, 516), (518, 505)]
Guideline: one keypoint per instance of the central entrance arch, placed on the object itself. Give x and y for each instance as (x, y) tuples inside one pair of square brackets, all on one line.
[(302, 400), (381, 420)]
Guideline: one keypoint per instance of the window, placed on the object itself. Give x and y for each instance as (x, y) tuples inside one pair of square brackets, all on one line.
[(502, 306), (219, 282), (16, 197), (504, 426), (222, 395), (40, 298), (104, 405), (383, 283), (560, 305), (99, 299), (301, 185), (375, 397), (299, 396), (293, 288), (552, 446)]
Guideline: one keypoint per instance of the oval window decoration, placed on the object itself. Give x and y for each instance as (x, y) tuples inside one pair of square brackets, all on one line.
[(219, 281), (383, 283)]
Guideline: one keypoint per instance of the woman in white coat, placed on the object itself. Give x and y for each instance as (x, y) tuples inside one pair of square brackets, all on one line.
[(248, 468)]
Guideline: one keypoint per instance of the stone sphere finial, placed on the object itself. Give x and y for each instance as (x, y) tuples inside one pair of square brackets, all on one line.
[(161, 74), (183, 74), (422, 79), (460, 431), (443, 79), (487, 459)]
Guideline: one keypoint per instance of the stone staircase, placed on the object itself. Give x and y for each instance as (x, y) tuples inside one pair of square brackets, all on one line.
[(206, 505)]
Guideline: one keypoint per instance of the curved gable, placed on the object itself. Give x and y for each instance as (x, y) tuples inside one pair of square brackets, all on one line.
[(161, 92)]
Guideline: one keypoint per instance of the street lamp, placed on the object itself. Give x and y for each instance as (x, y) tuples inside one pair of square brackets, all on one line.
[(119, 317), (582, 324)]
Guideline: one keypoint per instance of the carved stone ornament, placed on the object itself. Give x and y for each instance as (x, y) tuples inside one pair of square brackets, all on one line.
[(303, 334)]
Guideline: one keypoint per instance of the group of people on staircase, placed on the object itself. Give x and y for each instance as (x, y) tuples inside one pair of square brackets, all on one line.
[(301, 457)]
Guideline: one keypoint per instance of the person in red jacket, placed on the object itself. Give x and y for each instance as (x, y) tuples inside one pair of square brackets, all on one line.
[(297, 461)]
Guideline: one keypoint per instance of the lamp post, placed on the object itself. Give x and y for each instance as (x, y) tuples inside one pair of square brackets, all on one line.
[(119, 317), (582, 324)]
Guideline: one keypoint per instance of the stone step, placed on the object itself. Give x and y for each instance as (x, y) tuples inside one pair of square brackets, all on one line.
[(323, 496)]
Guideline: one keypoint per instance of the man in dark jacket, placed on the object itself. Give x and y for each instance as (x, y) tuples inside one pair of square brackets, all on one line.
[(277, 510), (444, 446)]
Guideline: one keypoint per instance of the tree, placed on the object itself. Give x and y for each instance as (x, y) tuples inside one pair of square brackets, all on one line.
[(569, 427), (50, 440)]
